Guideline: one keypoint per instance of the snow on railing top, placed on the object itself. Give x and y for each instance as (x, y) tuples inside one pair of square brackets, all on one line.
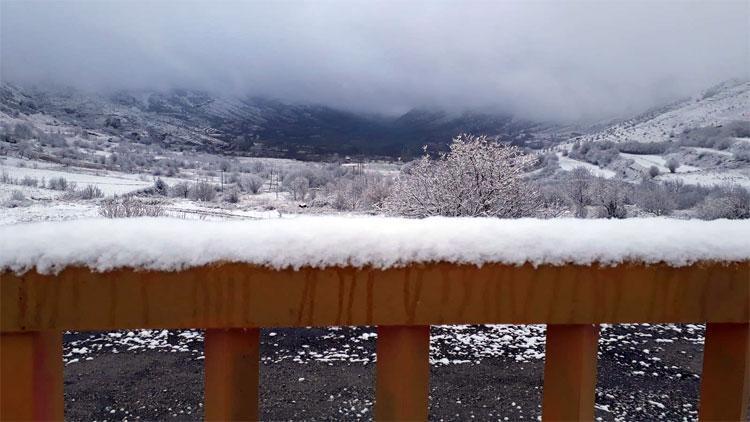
[(172, 244)]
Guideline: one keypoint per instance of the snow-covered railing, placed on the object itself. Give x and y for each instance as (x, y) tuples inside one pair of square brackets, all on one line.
[(399, 275)]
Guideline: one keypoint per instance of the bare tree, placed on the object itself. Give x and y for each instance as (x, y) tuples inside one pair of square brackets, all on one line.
[(180, 190), (299, 187), (203, 191), (478, 177), (252, 183), (610, 196), (576, 188)]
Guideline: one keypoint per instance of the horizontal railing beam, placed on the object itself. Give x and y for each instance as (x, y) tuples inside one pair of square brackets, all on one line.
[(245, 296)]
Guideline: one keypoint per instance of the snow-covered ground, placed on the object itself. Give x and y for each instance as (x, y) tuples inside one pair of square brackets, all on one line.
[(709, 178), (568, 164), (646, 161), (729, 103)]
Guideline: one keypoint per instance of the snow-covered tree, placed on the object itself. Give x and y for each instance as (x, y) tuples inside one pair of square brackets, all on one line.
[(479, 177), (576, 187), (299, 187), (610, 196), (673, 164)]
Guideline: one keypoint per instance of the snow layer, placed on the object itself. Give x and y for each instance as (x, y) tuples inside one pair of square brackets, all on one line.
[(172, 244)]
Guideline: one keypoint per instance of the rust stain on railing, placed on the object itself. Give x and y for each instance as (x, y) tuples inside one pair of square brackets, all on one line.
[(232, 301)]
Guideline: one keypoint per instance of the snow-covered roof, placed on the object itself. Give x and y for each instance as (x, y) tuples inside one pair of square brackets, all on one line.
[(172, 244)]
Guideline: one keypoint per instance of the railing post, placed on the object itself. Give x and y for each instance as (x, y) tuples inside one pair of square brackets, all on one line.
[(570, 372), (232, 368), (725, 383), (31, 376), (403, 373)]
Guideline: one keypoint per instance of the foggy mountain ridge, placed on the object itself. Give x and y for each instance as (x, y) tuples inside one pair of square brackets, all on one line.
[(254, 125), (194, 119)]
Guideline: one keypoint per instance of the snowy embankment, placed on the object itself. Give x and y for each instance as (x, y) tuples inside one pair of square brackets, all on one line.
[(171, 244)]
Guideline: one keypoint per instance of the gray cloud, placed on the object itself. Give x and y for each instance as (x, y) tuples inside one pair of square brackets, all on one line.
[(558, 60)]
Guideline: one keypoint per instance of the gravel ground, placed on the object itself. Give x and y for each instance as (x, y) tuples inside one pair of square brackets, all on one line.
[(646, 372)]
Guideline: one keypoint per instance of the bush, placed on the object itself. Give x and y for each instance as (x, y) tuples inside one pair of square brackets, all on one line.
[(161, 187), (91, 192), (653, 198), (203, 191), (610, 196), (29, 181), (17, 195), (58, 183), (252, 183), (17, 199), (635, 147), (653, 171), (128, 206), (576, 190), (299, 187), (729, 202), (478, 177), (672, 164), (232, 195), (180, 190)]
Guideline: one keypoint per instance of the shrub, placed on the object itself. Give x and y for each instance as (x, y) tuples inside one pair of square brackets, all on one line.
[(252, 183), (17, 195), (478, 177), (610, 196), (576, 190), (29, 181), (58, 183), (17, 199), (129, 206), (180, 190), (653, 198), (299, 187), (203, 191), (729, 202), (232, 195), (161, 187), (653, 171), (672, 164)]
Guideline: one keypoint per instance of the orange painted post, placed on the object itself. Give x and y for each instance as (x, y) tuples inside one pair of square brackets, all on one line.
[(725, 383), (31, 376), (232, 368), (570, 372), (403, 373)]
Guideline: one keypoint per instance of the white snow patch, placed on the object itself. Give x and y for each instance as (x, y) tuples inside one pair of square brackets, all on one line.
[(324, 241)]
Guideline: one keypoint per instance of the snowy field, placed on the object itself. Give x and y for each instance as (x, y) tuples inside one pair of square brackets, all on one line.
[(647, 160), (728, 104), (568, 164)]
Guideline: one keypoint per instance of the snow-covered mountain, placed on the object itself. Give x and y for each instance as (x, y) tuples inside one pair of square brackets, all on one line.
[(260, 126), (718, 105)]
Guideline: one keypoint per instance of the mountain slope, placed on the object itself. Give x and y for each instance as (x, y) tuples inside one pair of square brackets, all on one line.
[(199, 120), (723, 103)]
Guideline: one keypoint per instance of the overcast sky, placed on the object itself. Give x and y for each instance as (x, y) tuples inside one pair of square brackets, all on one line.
[(543, 60)]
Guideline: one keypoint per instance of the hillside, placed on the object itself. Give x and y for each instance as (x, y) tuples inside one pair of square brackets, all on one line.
[(201, 121), (720, 104)]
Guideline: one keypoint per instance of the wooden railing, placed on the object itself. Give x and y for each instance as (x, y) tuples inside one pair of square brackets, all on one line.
[(233, 301)]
